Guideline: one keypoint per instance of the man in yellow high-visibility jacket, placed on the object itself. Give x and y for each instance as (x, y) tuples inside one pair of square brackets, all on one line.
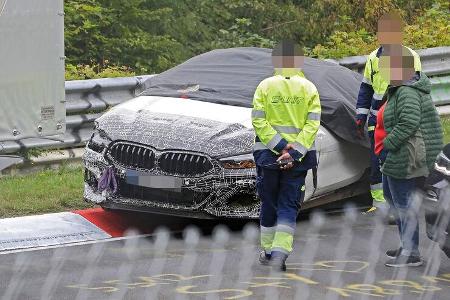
[(286, 118)]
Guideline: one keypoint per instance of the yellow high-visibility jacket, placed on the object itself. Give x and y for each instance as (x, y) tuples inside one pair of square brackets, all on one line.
[(374, 86), (286, 109)]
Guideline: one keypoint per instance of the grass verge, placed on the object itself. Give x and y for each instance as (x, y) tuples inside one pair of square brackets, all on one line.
[(43, 192)]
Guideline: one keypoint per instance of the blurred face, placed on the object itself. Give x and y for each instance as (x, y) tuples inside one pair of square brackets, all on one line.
[(287, 62), (390, 31), (395, 70), (287, 55)]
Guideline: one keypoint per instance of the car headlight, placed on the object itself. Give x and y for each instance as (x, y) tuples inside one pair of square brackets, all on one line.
[(244, 161), (98, 142)]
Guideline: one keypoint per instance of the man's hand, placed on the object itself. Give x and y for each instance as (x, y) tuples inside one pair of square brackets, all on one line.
[(360, 129), (285, 156), (288, 147)]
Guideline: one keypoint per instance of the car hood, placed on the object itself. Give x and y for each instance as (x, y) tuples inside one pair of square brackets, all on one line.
[(170, 123)]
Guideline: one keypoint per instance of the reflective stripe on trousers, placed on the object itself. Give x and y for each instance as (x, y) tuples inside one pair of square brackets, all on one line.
[(281, 194), (267, 235), (376, 190), (284, 239), (278, 238)]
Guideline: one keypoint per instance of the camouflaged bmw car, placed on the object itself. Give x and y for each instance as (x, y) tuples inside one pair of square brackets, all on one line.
[(184, 145)]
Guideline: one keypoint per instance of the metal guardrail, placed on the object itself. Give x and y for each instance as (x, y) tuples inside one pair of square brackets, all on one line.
[(440, 91), (435, 61), (86, 100), (96, 95)]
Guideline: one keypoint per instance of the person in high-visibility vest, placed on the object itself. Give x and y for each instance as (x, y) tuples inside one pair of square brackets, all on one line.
[(371, 92), (286, 117)]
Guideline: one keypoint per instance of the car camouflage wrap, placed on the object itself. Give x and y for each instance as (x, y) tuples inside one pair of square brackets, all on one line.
[(184, 146), (230, 76), (166, 131), (200, 146)]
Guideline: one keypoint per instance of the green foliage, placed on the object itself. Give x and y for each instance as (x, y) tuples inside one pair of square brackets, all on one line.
[(343, 44), (27, 154), (147, 36), (81, 72), (30, 153), (240, 35), (130, 33), (429, 29)]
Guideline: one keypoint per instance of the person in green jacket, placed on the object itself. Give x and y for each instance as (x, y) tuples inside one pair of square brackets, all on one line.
[(370, 95), (414, 139)]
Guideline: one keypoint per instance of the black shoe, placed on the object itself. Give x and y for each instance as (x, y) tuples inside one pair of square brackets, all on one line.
[(393, 253), (264, 258), (278, 264), (405, 261)]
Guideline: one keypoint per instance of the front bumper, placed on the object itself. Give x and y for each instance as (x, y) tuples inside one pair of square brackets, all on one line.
[(226, 193)]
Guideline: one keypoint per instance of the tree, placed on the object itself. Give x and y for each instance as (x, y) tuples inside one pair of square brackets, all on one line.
[(150, 36)]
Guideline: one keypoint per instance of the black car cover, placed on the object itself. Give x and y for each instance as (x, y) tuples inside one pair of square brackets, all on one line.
[(230, 76)]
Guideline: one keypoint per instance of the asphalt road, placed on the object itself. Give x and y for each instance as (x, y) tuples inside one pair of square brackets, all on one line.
[(336, 257)]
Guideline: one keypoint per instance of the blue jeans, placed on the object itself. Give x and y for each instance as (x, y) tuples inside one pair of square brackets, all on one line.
[(399, 193)]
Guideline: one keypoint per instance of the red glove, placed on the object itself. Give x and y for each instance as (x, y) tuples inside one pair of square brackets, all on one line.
[(360, 128)]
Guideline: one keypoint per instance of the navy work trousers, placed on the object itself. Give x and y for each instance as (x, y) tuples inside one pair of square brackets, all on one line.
[(375, 173), (281, 193)]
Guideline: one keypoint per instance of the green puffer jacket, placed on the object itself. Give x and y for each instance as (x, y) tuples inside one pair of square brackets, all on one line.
[(414, 131)]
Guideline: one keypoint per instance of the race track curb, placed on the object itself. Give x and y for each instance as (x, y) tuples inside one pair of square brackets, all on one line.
[(54, 229)]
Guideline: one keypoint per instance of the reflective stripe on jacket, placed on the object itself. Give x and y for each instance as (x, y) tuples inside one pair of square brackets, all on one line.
[(286, 109), (373, 87)]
